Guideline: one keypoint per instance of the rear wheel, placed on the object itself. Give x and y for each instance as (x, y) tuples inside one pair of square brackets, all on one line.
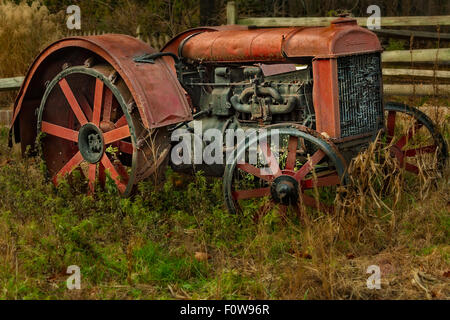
[(88, 122)]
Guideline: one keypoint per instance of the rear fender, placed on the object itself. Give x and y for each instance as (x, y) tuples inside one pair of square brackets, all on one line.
[(155, 89)]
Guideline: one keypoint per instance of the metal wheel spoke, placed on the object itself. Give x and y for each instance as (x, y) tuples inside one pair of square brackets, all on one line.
[(121, 170), (101, 174), (391, 124), (126, 147), (255, 171), (307, 167), (121, 122), (91, 176), (272, 162), (85, 106), (116, 134), (411, 168), (309, 201), (58, 131), (74, 162), (253, 193), (407, 137), (72, 101), (282, 210), (324, 181), (292, 153), (98, 100), (421, 150), (114, 173), (107, 105), (313, 203)]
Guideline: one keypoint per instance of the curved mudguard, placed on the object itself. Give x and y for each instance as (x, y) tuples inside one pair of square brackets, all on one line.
[(156, 91)]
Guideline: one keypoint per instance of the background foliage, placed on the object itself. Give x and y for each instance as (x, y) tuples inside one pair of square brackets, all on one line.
[(147, 246)]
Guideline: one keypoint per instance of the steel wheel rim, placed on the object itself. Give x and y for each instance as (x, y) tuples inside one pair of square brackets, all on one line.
[(325, 151), (126, 124)]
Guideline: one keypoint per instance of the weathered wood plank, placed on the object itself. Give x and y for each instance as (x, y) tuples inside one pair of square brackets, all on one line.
[(7, 84), (418, 90), (415, 34), (419, 56), (390, 89), (362, 21), (416, 73), (231, 12)]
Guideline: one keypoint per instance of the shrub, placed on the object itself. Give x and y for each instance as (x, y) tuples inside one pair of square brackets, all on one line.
[(25, 29)]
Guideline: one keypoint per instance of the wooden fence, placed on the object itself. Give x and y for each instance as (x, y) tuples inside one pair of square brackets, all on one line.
[(362, 21), (432, 57), (233, 18), (425, 56), (8, 84), (156, 41)]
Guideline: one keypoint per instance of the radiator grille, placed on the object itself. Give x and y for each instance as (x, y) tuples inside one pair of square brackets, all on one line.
[(360, 96)]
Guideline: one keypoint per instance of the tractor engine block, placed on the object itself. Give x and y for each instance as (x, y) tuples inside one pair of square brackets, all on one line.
[(248, 94)]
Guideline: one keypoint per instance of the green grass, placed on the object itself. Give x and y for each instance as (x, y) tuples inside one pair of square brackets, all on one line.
[(395, 44), (145, 247)]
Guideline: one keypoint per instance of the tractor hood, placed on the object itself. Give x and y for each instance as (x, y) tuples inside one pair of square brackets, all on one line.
[(342, 37)]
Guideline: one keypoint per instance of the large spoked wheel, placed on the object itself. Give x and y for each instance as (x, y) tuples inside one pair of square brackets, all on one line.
[(88, 122), (302, 171), (415, 141)]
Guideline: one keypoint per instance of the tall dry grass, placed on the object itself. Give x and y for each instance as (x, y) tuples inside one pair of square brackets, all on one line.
[(383, 217), (25, 29)]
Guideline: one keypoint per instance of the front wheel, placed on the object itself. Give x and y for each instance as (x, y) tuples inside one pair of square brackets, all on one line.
[(298, 169)]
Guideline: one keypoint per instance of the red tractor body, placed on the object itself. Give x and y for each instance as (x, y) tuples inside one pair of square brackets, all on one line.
[(110, 103)]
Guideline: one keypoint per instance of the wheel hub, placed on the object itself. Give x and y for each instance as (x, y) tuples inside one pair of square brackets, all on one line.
[(396, 152), (91, 143), (284, 190)]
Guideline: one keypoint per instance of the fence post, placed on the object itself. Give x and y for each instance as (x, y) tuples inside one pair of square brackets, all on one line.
[(139, 32), (231, 12)]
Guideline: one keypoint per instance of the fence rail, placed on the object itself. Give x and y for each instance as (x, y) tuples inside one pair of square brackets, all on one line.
[(412, 33), (8, 84), (156, 41), (325, 21), (424, 56), (440, 56), (233, 18)]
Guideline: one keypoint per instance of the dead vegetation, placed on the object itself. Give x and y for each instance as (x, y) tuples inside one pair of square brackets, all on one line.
[(178, 241), (24, 31)]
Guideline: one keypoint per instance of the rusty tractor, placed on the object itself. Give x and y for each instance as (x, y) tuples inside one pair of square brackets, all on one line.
[(108, 105)]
